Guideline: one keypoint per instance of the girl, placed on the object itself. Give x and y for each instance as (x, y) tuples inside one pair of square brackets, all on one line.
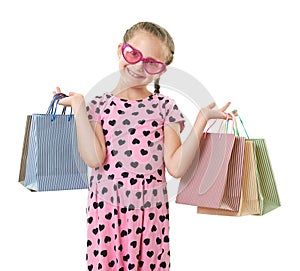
[(128, 137)]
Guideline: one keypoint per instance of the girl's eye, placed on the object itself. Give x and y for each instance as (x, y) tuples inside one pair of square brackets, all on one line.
[(131, 55), (134, 53), (151, 63)]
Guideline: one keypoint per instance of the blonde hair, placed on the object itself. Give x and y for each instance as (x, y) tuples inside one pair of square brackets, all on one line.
[(157, 31)]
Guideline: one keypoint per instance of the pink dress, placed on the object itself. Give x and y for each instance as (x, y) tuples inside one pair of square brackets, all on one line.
[(128, 209)]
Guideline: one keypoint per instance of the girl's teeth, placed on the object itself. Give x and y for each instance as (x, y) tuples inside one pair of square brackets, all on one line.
[(134, 74)]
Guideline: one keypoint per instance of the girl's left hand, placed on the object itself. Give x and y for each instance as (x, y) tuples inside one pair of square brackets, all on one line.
[(210, 113)]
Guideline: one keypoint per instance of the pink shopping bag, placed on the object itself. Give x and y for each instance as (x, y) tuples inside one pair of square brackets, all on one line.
[(204, 182)]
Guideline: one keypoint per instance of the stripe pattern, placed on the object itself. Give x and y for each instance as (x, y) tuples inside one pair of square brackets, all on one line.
[(232, 191), (249, 199), (53, 161), (249, 203), (267, 190), (204, 182)]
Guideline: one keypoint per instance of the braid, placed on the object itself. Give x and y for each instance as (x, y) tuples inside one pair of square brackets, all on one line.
[(156, 86)]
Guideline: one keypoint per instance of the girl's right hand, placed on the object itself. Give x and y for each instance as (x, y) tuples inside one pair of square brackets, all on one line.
[(75, 100), (63, 101)]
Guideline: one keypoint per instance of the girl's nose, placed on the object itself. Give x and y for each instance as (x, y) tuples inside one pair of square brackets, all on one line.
[(139, 67)]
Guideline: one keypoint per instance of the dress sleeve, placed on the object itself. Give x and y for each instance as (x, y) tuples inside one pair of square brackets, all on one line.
[(93, 109), (173, 114)]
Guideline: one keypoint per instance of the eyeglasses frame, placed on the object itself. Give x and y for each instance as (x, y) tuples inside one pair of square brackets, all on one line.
[(144, 60)]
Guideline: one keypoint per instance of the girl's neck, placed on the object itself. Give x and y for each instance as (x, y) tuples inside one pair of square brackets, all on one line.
[(131, 93)]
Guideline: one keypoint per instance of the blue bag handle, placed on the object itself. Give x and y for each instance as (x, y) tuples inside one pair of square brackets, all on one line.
[(53, 106)]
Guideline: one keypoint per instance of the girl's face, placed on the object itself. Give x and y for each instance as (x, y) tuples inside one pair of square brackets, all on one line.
[(134, 75)]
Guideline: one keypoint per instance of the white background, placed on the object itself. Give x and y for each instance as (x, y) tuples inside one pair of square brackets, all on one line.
[(246, 52)]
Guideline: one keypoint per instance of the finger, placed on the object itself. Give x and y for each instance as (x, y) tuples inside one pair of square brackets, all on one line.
[(225, 107), (211, 106), (230, 117), (56, 91), (225, 116), (65, 101)]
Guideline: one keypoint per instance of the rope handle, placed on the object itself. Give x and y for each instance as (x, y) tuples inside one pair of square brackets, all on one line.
[(53, 106), (236, 115), (226, 121)]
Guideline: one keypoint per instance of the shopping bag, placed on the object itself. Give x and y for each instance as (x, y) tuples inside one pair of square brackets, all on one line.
[(204, 182), (267, 190), (249, 202), (228, 197), (259, 191), (266, 184), (50, 158)]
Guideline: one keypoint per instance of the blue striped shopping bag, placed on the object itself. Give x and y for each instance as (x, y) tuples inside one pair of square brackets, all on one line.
[(50, 157)]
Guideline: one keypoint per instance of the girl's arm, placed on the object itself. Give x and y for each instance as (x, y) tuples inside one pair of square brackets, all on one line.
[(91, 142), (179, 156)]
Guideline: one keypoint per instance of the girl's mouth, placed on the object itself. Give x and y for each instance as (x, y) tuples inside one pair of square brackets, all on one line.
[(135, 75)]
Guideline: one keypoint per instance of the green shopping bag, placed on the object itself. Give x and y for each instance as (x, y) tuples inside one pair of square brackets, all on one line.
[(266, 185)]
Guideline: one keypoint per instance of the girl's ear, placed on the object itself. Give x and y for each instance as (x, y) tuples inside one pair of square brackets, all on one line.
[(119, 51)]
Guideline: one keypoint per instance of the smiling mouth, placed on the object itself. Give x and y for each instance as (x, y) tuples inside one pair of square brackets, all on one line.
[(135, 75)]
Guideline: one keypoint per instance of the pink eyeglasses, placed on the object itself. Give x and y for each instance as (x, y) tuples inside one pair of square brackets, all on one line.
[(133, 56)]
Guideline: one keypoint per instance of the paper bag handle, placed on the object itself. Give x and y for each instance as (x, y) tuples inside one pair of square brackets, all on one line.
[(226, 121), (53, 106), (236, 115)]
